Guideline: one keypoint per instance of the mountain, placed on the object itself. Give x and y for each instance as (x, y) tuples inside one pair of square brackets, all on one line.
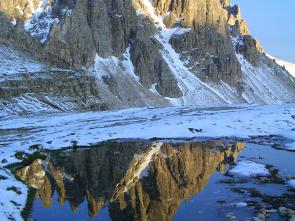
[(66, 55)]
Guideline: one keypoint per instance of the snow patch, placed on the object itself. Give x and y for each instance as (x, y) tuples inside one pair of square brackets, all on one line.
[(291, 183), (241, 204), (149, 9), (290, 146), (13, 22), (13, 196), (109, 65), (128, 65), (58, 130), (13, 62), (104, 66), (42, 20), (249, 169), (153, 89)]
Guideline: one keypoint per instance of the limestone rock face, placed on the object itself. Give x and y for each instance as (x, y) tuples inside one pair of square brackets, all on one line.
[(51, 91), (152, 69), (85, 28), (248, 46), (196, 14), (207, 49), (207, 60), (225, 3), (71, 41), (19, 9), (146, 53)]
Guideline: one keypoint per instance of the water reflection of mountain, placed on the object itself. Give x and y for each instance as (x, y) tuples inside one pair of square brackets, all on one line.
[(140, 180)]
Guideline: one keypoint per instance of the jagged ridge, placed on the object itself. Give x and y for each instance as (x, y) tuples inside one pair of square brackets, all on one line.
[(145, 53)]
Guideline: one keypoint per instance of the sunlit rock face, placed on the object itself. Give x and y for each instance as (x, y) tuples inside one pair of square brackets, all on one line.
[(148, 181), (20, 9), (247, 45), (207, 49)]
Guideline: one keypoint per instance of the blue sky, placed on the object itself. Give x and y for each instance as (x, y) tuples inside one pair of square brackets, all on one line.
[(272, 22)]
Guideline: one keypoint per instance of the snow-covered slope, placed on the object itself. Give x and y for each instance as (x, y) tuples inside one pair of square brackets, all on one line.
[(290, 67), (13, 196), (13, 62), (60, 130), (264, 83), (28, 86)]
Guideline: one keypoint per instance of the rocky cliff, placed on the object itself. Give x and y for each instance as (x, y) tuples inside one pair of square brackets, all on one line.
[(149, 53)]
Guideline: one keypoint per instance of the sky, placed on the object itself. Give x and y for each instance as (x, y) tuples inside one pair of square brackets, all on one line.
[(272, 22)]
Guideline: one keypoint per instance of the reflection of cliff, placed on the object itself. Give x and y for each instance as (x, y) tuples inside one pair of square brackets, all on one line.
[(175, 174), (157, 177), (91, 173)]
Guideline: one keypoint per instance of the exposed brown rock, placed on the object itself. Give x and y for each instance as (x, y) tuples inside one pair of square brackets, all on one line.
[(248, 46)]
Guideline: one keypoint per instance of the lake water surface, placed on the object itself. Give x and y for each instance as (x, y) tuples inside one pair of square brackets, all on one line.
[(161, 180)]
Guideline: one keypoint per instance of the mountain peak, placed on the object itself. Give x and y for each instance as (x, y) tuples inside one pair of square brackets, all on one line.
[(147, 53)]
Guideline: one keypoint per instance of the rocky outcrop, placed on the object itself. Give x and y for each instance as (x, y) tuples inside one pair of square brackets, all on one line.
[(248, 46), (152, 68), (49, 91), (150, 173), (207, 49), (207, 60), (28, 86)]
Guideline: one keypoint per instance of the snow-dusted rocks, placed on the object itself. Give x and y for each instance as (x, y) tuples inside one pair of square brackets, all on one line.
[(150, 53), (249, 169), (13, 62), (41, 22), (265, 82), (290, 67)]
